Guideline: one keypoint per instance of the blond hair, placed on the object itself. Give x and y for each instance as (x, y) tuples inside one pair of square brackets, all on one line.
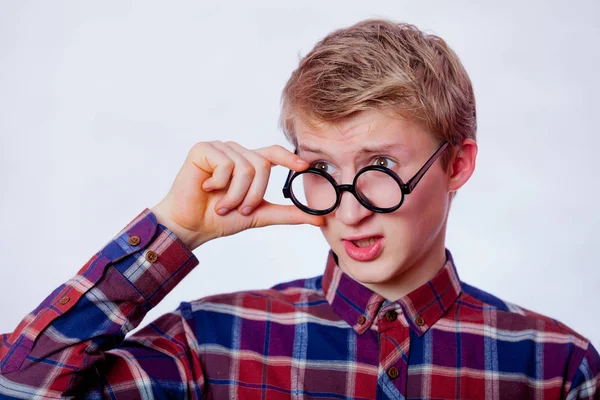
[(380, 64)]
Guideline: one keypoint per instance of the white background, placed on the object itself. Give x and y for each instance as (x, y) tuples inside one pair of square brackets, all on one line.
[(100, 103)]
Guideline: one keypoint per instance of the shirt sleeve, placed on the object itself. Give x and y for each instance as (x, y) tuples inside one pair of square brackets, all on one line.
[(74, 343), (586, 381)]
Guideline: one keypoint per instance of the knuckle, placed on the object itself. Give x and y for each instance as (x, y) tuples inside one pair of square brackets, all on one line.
[(232, 143), (216, 145), (198, 147), (228, 165), (246, 172), (264, 163)]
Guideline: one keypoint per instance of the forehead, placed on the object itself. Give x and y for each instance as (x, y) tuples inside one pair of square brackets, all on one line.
[(366, 129)]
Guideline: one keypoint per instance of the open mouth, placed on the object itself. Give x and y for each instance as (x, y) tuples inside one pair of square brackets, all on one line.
[(365, 249), (365, 242)]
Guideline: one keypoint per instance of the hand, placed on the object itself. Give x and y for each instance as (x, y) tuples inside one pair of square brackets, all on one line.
[(219, 191)]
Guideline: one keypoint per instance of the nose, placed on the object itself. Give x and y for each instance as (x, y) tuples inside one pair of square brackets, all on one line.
[(350, 211)]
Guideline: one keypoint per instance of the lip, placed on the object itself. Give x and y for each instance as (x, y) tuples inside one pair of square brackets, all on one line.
[(363, 254)]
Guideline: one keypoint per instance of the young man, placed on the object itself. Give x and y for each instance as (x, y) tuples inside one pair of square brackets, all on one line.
[(382, 117)]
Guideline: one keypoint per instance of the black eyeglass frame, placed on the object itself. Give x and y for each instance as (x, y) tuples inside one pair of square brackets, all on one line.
[(406, 188)]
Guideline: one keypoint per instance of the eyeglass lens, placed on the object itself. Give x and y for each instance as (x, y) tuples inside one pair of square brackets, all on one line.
[(373, 187)]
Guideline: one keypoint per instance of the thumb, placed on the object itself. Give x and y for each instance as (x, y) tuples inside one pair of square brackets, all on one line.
[(275, 214)]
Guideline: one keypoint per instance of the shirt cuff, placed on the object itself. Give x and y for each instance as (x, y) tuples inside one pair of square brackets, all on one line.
[(159, 259)]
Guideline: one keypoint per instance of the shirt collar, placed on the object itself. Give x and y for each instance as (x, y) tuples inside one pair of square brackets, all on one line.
[(359, 306)]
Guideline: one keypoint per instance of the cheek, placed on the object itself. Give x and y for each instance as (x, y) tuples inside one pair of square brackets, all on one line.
[(328, 227), (331, 231), (422, 214)]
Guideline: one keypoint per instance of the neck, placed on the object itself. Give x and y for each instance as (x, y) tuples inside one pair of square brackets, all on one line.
[(415, 273)]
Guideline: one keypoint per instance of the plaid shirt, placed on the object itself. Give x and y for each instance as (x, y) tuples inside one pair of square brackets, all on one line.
[(325, 337)]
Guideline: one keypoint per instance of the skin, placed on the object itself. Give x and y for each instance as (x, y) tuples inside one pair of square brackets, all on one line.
[(219, 191), (414, 235)]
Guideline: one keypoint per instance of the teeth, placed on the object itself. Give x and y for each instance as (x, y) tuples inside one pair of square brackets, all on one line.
[(364, 242)]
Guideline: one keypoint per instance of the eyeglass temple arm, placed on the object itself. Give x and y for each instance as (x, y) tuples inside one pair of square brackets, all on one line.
[(410, 185)]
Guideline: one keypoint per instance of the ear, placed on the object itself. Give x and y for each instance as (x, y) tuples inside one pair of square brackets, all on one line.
[(462, 164)]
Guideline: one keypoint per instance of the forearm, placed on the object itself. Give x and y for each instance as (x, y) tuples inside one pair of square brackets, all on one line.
[(91, 313)]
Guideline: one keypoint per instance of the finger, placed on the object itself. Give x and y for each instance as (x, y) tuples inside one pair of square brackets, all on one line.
[(258, 188), (209, 159), (241, 179), (278, 155), (275, 214)]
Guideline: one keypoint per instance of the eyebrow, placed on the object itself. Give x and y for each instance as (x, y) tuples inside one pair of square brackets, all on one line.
[(366, 150)]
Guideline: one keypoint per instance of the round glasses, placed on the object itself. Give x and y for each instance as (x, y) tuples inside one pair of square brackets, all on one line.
[(377, 188)]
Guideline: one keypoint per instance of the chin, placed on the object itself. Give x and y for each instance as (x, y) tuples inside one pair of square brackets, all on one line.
[(372, 272)]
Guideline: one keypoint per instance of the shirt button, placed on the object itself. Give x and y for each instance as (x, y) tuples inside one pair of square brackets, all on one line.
[(151, 256), (420, 321), (362, 319), (65, 300), (391, 315), (134, 240), (393, 373)]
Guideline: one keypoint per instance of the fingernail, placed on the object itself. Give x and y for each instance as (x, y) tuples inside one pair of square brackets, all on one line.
[(246, 210), (300, 161), (222, 211)]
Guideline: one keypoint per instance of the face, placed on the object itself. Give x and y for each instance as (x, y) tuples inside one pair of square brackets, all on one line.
[(381, 250)]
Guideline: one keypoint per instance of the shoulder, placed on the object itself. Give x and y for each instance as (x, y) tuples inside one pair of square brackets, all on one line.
[(516, 340), (225, 318), (281, 298), (505, 311), (514, 323)]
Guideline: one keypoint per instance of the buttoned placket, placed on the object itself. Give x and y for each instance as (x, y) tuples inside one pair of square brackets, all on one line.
[(394, 345)]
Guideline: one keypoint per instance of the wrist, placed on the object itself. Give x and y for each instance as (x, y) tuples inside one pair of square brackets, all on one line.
[(188, 237)]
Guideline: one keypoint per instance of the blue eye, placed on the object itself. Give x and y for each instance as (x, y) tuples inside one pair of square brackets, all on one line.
[(384, 162), (325, 167)]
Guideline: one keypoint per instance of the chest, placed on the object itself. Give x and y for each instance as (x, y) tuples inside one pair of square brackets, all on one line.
[(321, 361)]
